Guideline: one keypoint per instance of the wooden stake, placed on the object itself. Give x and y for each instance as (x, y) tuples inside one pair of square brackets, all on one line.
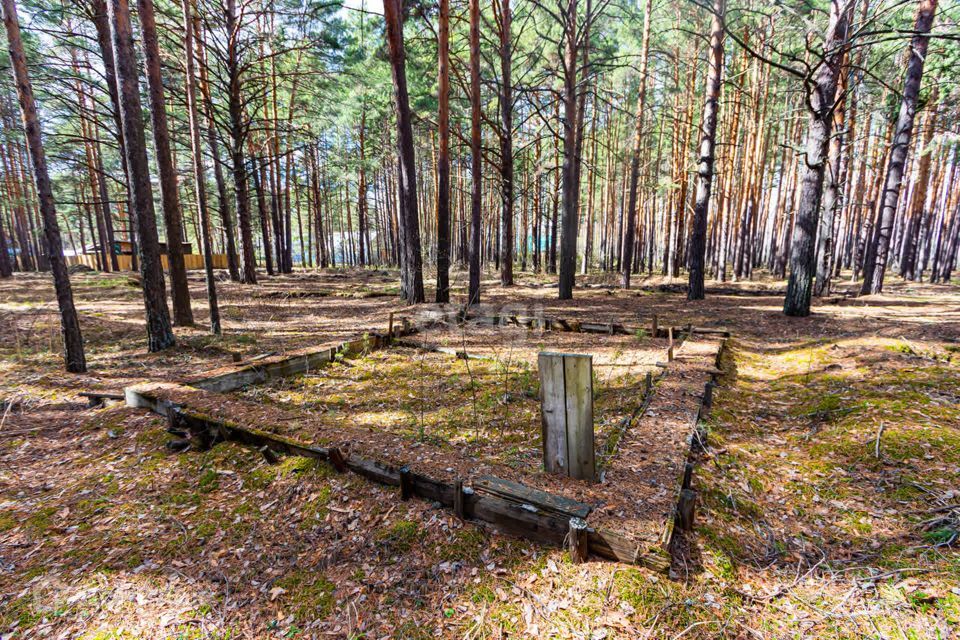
[(406, 484), (268, 455), (458, 498), (670, 344), (708, 395), (577, 540), (390, 329), (687, 476), (336, 459), (686, 509)]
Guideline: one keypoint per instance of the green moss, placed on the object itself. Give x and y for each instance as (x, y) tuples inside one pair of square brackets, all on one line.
[(22, 612), (205, 530), (315, 509), (483, 593), (941, 535), (246, 509), (8, 520), (309, 594), (209, 481), (411, 630), (466, 546), (108, 634), (41, 520), (398, 537)]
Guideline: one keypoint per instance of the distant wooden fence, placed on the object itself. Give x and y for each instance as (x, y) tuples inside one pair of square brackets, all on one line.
[(191, 260)]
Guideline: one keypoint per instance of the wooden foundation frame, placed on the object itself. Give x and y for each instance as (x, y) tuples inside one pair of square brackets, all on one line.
[(512, 508)]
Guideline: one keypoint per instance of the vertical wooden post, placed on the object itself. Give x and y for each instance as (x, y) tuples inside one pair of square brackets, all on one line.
[(670, 344), (687, 476), (577, 540), (406, 484), (708, 395), (269, 455), (336, 459), (648, 384), (458, 498), (390, 329), (566, 402), (686, 509)]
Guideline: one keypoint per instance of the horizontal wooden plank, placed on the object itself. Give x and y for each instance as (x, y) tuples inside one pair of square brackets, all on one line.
[(522, 521), (522, 494), (108, 395), (615, 546)]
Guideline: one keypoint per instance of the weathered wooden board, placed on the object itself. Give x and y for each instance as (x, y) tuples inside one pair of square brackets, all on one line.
[(581, 455), (516, 492), (553, 413), (566, 388)]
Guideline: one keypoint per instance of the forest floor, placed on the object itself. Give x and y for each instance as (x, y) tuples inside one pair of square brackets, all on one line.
[(830, 499)]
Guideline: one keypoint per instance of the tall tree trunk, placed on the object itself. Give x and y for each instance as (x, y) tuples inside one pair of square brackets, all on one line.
[(258, 174), (570, 205), (820, 106), (199, 173), (362, 192), (626, 265), (506, 146), (238, 135), (708, 129), (917, 205), (476, 183), (179, 291), (226, 214), (101, 22), (411, 262), (443, 155), (6, 268), (917, 54), (69, 322), (159, 332)]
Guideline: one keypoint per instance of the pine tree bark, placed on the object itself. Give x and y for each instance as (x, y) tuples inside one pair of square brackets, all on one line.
[(506, 146), (917, 205), (159, 331), (101, 23), (362, 192), (411, 261), (226, 213), (6, 268), (820, 106), (259, 174), (708, 128), (238, 135), (69, 322), (170, 200), (917, 52), (569, 221), (199, 173), (832, 195), (626, 265), (476, 177), (443, 155)]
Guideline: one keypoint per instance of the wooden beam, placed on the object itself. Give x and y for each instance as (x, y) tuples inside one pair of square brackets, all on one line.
[(522, 494)]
